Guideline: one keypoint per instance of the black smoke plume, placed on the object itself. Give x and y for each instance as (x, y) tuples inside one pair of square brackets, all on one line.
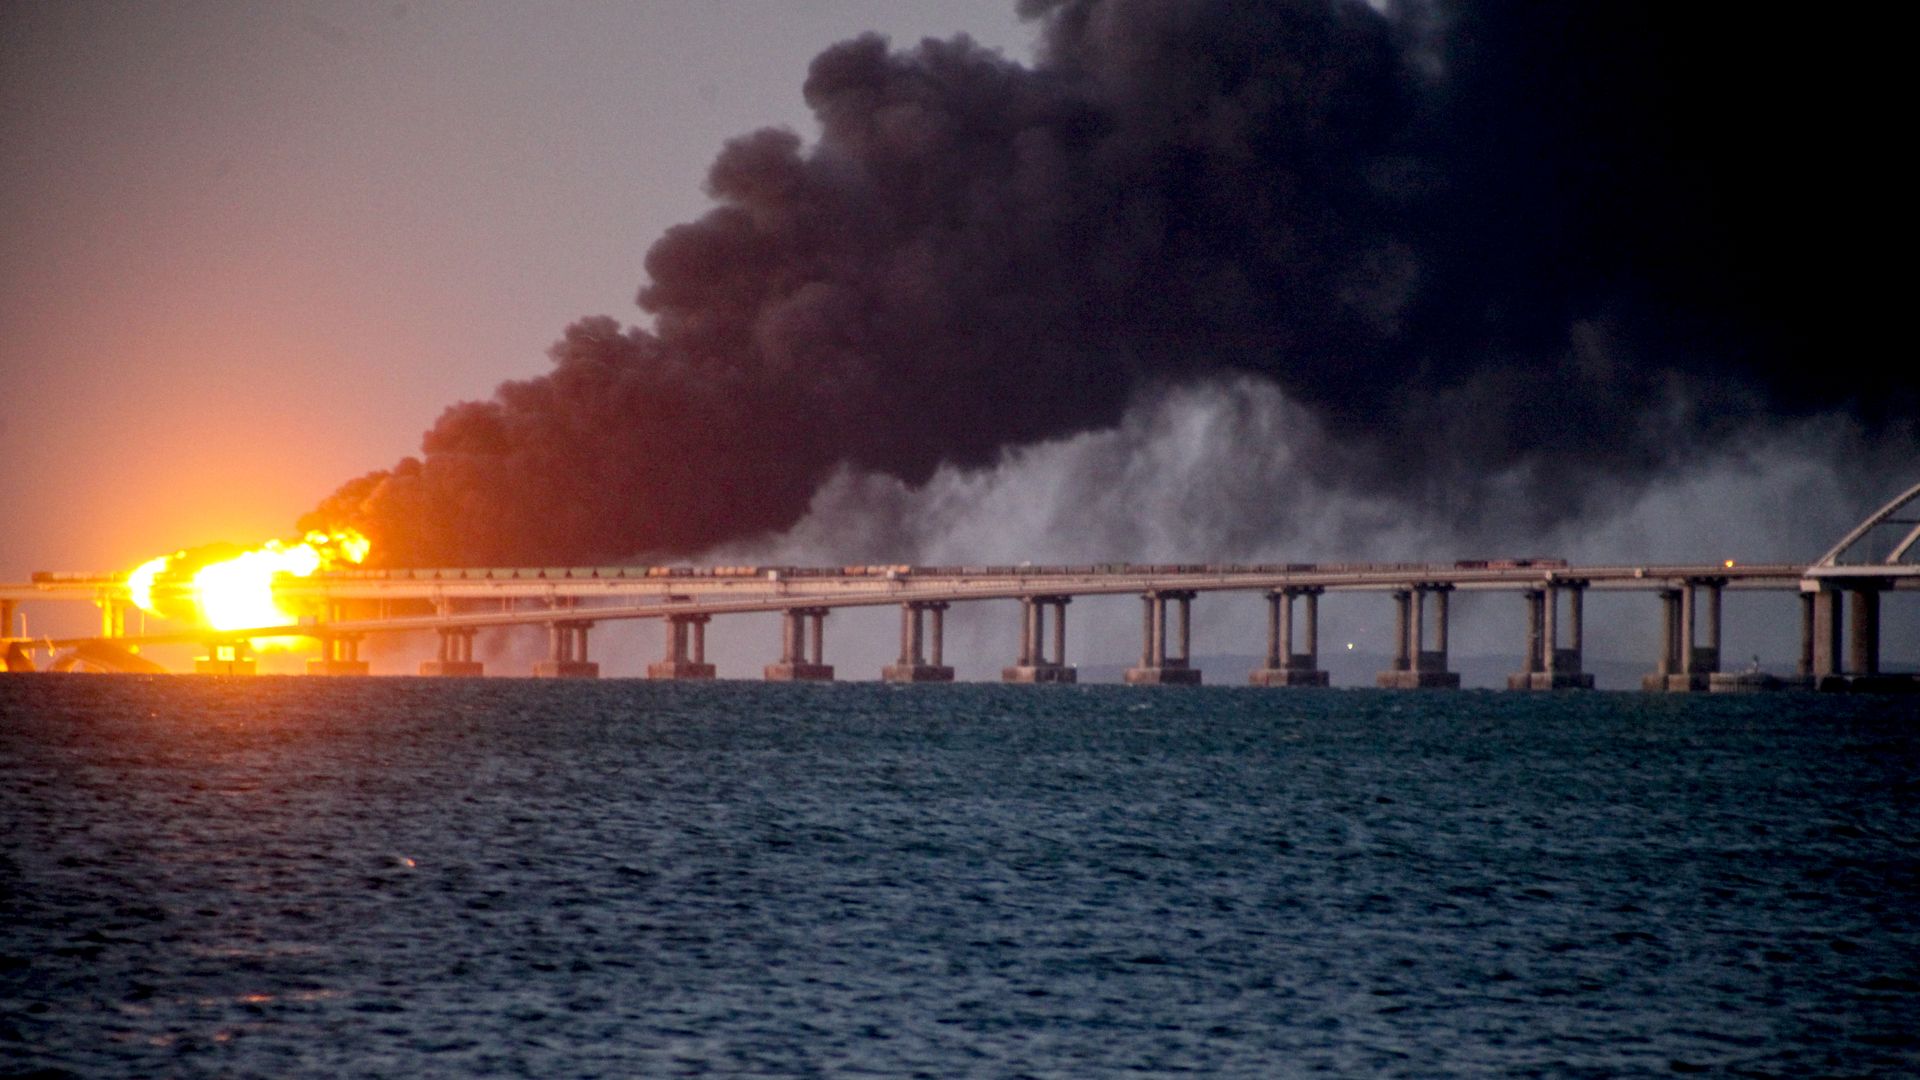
[(1574, 243)]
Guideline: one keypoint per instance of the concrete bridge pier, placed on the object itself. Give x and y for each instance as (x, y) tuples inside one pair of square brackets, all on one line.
[(113, 617), (226, 658), (1035, 665), (686, 656), (802, 637), (456, 655), (1284, 666), (567, 652), (921, 658), (1840, 638), (1415, 666), (1685, 665), (1548, 666), (1157, 667), (17, 655), (339, 655)]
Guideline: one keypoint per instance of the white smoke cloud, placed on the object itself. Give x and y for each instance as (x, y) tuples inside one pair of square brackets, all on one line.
[(1211, 472)]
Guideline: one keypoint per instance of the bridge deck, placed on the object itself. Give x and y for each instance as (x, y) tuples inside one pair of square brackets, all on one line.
[(522, 596)]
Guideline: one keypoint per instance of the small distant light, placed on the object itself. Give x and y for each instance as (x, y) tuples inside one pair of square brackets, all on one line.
[(1729, 564), (1349, 645), (404, 861)]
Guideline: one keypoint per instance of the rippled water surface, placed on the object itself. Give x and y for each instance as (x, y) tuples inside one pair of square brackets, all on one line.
[(308, 877)]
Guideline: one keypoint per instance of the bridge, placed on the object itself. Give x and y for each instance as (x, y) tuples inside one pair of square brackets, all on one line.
[(1840, 598)]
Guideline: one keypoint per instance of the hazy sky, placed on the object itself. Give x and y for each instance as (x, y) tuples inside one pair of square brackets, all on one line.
[(252, 250)]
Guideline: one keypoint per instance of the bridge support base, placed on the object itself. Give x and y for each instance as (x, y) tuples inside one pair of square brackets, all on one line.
[(1164, 675), (1550, 680), (565, 669), (798, 671), (452, 668), (17, 658), (1287, 677), (680, 669), (1039, 673), (318, 665), (1416, 667), (1694, 683), (1417, 680), (916, 673), (209, 665), (1753, 682)]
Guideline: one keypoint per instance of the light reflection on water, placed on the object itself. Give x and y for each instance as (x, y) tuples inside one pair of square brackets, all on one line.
[(294, 877)]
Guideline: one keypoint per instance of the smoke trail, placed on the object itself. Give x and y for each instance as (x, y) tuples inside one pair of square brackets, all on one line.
[(1532, 256)]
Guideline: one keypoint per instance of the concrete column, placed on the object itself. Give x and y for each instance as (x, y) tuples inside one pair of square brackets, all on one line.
[(1551, 667), (1041, 622), (1532, 598), (1284, 667), (1060, 630), (1157, 640), (1279, 628), (801, 638), (455, 654), (567, 652), (113, 618), (1550, 629), (1415, 667), (1829, 617), (908, 616), (1863, 629), (915, 665), (1036, 665), (1027, 633), (1418, 625), (1806, 633), (1157, 666), (1688, 640), (686, 650), (1186, 628), (1400, 602), (1576, 596), (1146, 630), (6, 617), (1313, 628), (1669, 631), (1713, 621)]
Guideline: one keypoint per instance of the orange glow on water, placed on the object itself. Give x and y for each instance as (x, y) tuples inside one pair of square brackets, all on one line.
[(236, 592)]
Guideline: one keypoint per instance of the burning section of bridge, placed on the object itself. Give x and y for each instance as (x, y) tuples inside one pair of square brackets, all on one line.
[(229, 589)]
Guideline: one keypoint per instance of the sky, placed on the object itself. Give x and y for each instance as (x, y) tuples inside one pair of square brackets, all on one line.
[(253, 251)]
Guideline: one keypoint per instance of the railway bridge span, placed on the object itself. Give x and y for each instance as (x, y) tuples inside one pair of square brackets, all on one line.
[(1840, 602)]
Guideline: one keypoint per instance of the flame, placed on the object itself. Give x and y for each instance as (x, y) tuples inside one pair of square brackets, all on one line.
[(235, 592), (140, 582)]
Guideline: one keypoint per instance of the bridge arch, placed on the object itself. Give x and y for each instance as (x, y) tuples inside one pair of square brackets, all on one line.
[(1902, 512)]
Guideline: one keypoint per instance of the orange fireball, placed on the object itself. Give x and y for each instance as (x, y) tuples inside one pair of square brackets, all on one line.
[(235, 591)]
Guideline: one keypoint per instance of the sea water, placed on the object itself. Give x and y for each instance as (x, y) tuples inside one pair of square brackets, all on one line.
[(296, 877)]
